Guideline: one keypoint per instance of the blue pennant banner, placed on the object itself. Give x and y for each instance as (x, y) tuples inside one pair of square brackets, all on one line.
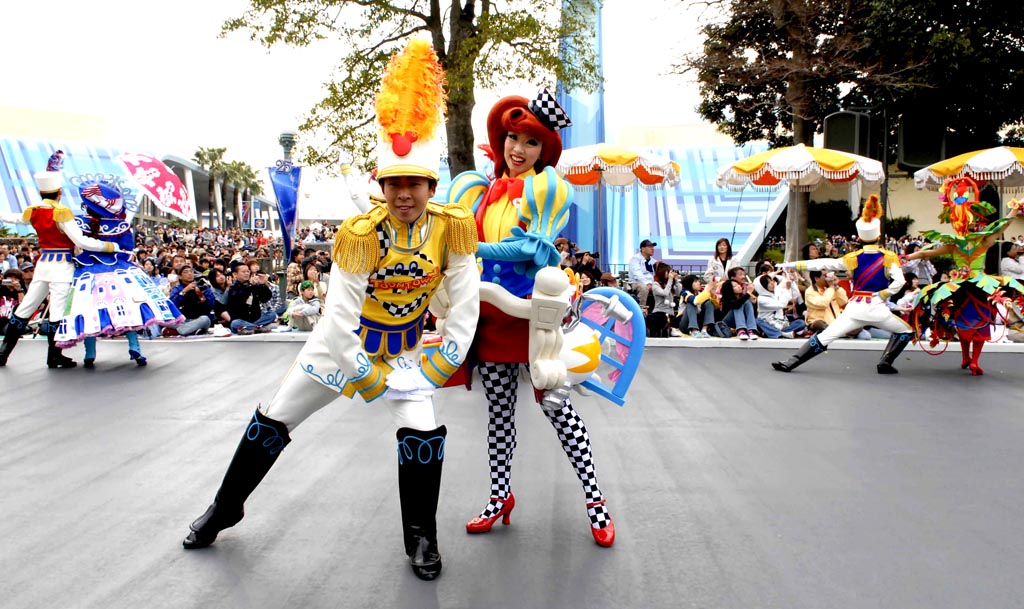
[(285, 178)]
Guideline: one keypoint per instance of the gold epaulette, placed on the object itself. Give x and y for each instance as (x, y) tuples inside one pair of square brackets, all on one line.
[(356, 246), (460, 227), (850, 260), (62, 214), (890, 259)]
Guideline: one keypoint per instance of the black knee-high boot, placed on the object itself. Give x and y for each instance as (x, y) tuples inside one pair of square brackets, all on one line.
[(55, 357), (262, 442), (420, 457), (809, 349), (897, 343), (16, 326)]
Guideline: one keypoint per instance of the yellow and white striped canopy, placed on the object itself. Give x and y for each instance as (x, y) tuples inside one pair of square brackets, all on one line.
[(1003, 166), (587, 167), (802, 168)]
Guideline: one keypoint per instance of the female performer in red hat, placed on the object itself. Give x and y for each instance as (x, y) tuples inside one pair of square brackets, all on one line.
[(519, 215)]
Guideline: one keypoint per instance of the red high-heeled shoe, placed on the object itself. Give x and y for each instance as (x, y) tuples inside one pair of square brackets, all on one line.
[(603, 537), (483, 525)]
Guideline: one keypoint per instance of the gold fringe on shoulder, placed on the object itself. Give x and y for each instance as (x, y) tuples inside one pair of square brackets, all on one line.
[(356, 246), (62, 214), (460, 227), (27, 214), (850, 260)]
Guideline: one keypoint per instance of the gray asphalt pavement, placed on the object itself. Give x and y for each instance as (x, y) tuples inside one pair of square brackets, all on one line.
[(731, 486)]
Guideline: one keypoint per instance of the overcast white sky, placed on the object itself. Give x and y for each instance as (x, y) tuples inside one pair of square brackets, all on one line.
[(163, 80)]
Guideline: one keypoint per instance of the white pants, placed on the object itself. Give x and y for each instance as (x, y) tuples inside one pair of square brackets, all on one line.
[(37, 291), (856, 315), (299, 396)]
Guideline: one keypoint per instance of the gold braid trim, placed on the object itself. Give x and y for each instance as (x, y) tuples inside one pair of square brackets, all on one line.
[(850, 260), (460, 227), (356, 247)]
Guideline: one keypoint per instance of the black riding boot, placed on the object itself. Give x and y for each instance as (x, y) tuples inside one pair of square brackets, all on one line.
[(809, 349), (420, 457), (896, 344), (261, 443), (55, 355), (16, 326)]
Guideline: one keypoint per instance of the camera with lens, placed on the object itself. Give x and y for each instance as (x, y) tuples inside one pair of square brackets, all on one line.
[(8, 282), (202, 283)]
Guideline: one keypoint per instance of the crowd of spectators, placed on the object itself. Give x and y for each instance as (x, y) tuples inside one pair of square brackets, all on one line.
[(725, 302), (223, 281)]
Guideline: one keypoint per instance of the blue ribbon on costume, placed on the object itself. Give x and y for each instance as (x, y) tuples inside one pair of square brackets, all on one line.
[(522, 246)]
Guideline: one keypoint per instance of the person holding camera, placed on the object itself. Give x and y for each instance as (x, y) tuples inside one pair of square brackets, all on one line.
[(195, 299), (11, 293), (245, 301)]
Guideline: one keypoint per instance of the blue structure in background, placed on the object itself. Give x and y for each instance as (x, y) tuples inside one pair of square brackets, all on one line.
[(19, 159), (685, 221), (587, 113)]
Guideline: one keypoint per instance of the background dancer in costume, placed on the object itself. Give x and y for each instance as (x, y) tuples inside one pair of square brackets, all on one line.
[(58, 236), (876, 274), (110, 294), (965, 306), (524, 141), (388, 264)]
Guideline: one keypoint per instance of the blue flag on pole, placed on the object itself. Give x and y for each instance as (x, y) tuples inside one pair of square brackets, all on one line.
[(285, 178)]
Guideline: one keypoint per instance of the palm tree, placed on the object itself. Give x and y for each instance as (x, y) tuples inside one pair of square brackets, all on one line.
[(246, 178), (211, 160)]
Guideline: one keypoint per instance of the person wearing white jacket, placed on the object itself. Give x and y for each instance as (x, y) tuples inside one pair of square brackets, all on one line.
[(772, 301)]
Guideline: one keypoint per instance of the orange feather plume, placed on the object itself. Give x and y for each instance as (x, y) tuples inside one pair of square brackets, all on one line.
[(411, 99), (872, 209)]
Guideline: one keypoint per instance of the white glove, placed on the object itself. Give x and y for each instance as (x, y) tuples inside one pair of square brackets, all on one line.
[(408, 384), (787, 265)]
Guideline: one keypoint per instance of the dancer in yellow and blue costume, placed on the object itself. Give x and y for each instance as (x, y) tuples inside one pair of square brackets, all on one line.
[(388, 262)]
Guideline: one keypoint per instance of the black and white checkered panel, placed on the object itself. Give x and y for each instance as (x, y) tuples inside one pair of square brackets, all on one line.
[(501, 385), (383, 274), (572, 433), (545, 107)]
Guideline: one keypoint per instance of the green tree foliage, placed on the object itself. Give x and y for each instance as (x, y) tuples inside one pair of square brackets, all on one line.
[(773, 69), (212, 162), (479, 43)]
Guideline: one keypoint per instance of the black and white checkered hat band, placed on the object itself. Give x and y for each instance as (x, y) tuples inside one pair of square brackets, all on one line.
[(547, 110)]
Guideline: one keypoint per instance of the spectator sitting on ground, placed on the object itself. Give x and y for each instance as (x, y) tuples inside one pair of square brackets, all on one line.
[(195, 299), (738, 301), (609, 281), (245, 300), (304, 312), (586, 263), (293, 277), (276, 304), (825, 300), (773, 300), (1009, 264), (665, 288), (922, 267), (312, 273), (698, 306), (641, 271)]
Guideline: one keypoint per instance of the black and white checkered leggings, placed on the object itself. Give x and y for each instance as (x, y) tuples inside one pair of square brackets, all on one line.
[(501, 384)]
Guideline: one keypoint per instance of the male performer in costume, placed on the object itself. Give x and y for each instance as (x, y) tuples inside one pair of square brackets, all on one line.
[(389, 262), (876, 274), (58, 236)]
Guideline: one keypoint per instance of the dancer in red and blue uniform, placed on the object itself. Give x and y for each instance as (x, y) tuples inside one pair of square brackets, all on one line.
[(876, 274)]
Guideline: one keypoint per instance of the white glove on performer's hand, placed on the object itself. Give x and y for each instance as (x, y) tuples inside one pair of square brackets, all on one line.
[(408, 384), (787, 265)]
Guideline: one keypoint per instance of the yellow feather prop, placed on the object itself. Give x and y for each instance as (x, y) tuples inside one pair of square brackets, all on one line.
[(411, 96), (872, 209)]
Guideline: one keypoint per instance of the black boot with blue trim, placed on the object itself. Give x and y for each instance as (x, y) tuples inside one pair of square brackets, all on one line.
[(16, 326), (420, 458), (810, 349), (262, 442), (897, 343)]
